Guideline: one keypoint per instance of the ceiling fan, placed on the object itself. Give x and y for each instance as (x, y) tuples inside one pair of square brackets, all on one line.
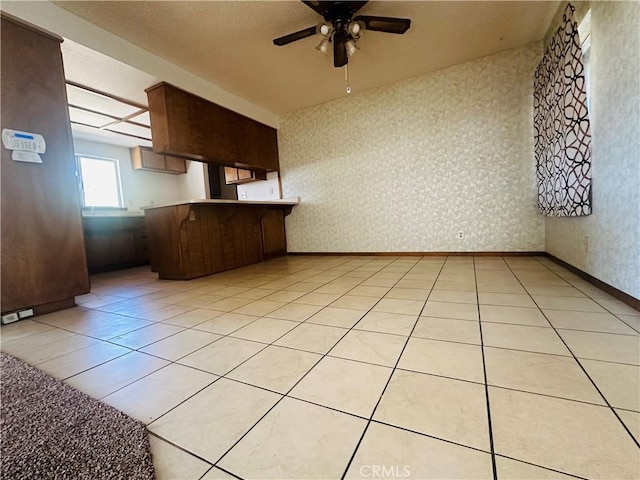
[(342, 29)]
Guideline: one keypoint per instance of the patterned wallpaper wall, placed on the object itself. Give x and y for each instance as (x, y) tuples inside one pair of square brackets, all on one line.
[(613, 229), (405, 167)]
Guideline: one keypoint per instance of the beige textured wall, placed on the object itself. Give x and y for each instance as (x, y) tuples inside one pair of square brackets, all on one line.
[(404, 168), (613, 254)]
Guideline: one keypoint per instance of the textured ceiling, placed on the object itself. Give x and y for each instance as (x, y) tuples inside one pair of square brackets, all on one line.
[(230, 43)]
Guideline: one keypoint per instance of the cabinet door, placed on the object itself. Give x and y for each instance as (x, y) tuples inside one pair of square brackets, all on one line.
[(269, 138), (223, 142), (175, 164), (230, 248), (98, 250), (230, 175), (274, 241), (122, 247), (252, 151), (260, 147), (247, 235), (151, 160), (244, 174), (167, 241)]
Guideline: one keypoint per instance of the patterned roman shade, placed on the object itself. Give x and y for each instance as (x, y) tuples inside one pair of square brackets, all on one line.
[(562, 128)]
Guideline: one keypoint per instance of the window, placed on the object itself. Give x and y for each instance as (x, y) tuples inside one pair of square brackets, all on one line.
[(584, 32), (99, 182)]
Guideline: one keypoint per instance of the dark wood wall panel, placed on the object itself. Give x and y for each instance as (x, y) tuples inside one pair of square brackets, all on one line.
[(43, 257)]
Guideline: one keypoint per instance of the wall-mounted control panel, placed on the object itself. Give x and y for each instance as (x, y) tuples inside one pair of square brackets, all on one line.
[(25, 146)]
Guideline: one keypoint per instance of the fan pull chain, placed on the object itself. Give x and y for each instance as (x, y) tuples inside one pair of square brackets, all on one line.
[(346, 77)]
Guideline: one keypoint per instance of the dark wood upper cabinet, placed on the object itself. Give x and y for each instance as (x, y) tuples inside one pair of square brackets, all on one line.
[(260, 146), (188, 126)]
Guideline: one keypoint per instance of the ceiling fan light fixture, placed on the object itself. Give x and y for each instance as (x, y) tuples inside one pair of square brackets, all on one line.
[(323, 46), (325, 29), (356, 28), (339, 30), (351, 47)]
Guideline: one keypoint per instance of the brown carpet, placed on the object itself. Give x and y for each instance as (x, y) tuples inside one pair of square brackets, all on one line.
[(51, 430)]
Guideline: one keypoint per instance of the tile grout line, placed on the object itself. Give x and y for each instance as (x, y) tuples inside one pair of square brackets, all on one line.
[(286, 395), (162, 358), (540, 466), (225, 377), (194, 327), (486, 382), (301, 378), (330, 356), (579, 363), (363, 279), (294, 328), (174, 362), (366, 428), (593, 298), (175, 445)]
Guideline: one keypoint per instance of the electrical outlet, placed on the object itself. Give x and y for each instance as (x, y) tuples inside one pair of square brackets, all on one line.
[(460, 235), (243, 195), (26, 313), (10, 318)]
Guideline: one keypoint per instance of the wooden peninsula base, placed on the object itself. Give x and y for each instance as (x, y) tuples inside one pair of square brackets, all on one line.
[(200, 237)]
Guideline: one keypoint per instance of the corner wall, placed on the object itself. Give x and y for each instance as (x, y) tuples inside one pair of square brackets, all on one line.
[(404, 168), (611, 252)]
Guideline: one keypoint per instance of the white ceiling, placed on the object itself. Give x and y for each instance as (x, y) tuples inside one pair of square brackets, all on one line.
[(100, 72), (229, 43)]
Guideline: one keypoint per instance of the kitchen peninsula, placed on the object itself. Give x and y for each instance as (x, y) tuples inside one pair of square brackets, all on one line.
[(194, 238)]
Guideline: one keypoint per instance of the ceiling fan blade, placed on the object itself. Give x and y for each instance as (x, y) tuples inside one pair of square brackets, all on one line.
[(293, 37), (384, 24), (340, 58)]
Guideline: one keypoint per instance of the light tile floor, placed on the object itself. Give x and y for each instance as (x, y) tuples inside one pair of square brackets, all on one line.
[(359, 367)]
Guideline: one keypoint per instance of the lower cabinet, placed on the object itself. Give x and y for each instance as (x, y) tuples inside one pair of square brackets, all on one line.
[(113, 242), (274, 239), (192, 240)]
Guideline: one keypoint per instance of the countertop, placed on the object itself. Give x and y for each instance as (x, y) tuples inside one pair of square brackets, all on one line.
[(99, 214), (281, 201)]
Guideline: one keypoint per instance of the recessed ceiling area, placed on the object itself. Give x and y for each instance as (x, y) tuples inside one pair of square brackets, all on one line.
[(95, 116), (229, 43)]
